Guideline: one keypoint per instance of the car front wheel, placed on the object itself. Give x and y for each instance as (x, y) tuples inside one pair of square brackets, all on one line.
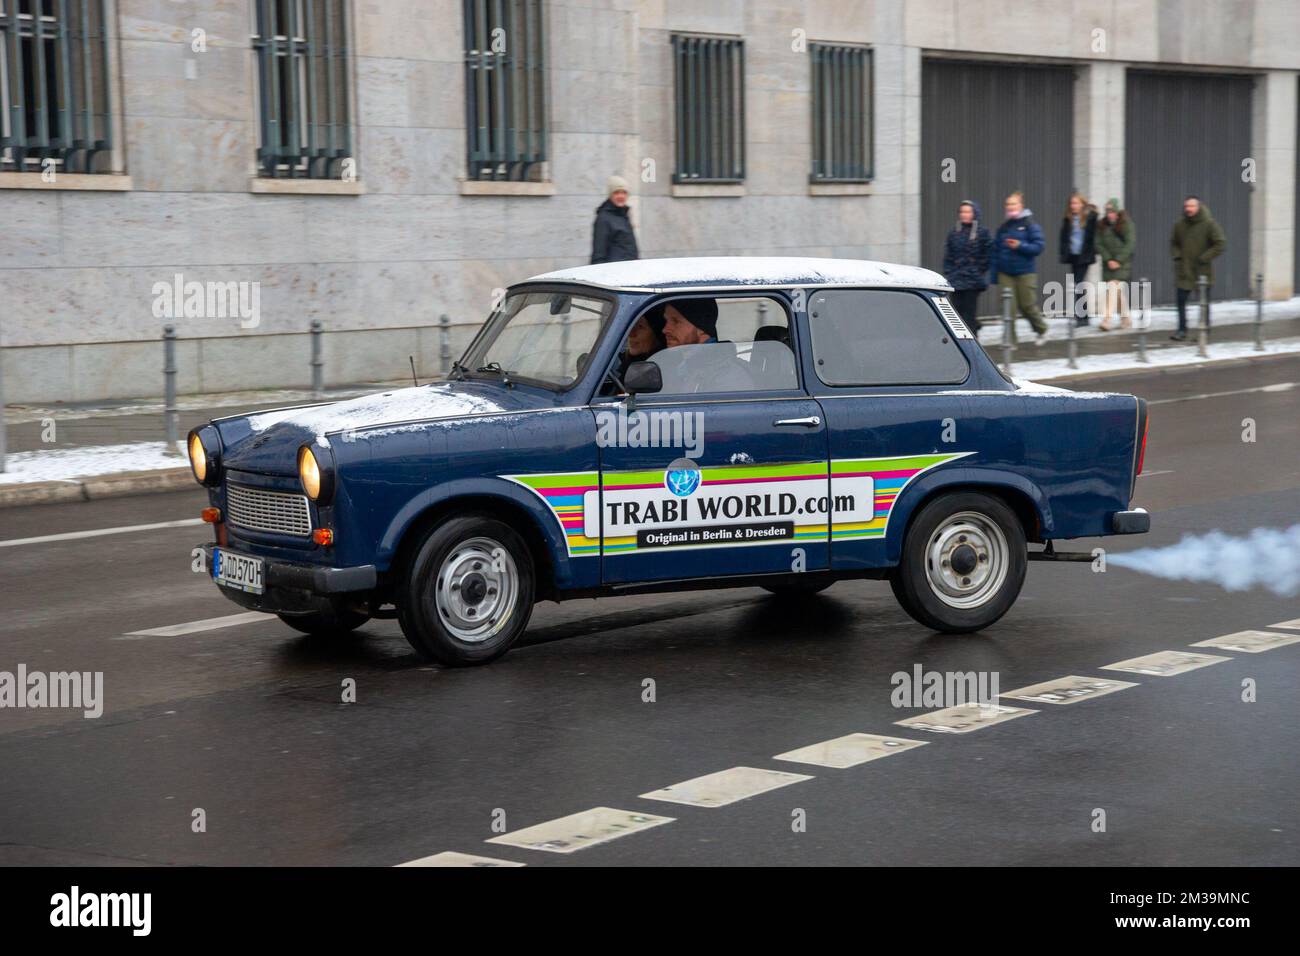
[(468, 591), (963, 563)]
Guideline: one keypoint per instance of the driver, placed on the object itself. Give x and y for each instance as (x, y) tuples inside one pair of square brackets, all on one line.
[(703, 363)]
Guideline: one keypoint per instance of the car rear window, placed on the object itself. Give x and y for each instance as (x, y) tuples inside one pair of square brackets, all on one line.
[(882, 337)]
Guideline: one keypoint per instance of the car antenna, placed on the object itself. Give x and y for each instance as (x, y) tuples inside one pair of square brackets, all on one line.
[(413, 378)]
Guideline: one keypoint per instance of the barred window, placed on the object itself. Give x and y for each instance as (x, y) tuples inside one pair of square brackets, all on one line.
[(54, 112), (709, 84), (303, 68), (841, 113), (505, 90)]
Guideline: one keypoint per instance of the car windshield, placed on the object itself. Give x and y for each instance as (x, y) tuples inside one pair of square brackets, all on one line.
[(542, 337)]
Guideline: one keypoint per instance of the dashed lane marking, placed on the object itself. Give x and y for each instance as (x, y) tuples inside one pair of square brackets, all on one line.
[(1165, 663), (964, 718), (100, 532), (1276, 387), (1069, 690), (452, 858), (581, 830), (725, 786), (850, 750), (1250, 642), (207, 624)]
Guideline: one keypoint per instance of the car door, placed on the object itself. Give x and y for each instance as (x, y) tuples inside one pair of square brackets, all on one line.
[(700, 482)]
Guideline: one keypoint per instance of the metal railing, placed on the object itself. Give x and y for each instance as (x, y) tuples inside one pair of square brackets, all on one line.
[(54, 70), (708, 80), (303, 67), (505, 89), (841, 113)]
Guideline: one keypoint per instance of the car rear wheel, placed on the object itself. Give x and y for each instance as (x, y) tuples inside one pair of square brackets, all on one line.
[(337, 621), (963, 563), (468, 591)]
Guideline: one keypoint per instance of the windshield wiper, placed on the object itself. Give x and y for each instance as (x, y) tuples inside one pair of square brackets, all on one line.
[(496, 367)]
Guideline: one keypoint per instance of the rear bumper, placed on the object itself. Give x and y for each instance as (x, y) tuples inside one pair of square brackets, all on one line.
[(301, 588), (1137, 521)]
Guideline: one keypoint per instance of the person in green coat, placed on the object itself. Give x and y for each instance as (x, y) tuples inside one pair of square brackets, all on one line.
[(1196, 242), (1116, 240)]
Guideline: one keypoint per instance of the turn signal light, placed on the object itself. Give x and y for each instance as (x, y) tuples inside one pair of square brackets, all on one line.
[(211, 515), (323, 537)]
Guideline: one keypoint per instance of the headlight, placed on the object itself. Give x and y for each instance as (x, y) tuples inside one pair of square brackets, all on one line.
[(317, 478), (198, 458), (204, 446)]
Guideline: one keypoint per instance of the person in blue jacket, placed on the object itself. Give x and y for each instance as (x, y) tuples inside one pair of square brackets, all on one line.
[(966, 255), (1016, 248)]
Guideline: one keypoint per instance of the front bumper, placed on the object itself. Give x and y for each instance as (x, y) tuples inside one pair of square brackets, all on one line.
[(1137, 521), (300, 588)]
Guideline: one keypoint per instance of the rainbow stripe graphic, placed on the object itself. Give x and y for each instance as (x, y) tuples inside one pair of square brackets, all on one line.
[(890, 476), (563, 495)]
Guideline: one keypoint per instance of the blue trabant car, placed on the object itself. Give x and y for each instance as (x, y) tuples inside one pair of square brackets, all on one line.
[(668, 424)]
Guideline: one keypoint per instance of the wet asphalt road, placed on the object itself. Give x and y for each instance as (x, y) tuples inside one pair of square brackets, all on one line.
[(246, 722)]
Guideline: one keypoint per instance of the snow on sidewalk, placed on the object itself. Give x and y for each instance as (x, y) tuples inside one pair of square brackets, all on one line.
[(91, 461), (1047, 369)]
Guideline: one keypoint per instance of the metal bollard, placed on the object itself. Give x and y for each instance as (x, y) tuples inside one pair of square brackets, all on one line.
[(1072, 347), (1259, 327), (1203, 335), (317, 363), (1144, 294), (444, 343), (170, 414), (1008, 330)]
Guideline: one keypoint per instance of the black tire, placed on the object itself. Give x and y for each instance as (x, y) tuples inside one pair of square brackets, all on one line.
[(338, 621), (940, 524), (451, 562), (797, 589)]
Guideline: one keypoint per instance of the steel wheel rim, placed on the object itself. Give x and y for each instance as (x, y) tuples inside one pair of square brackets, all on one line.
[(948, 560), (476, 589)]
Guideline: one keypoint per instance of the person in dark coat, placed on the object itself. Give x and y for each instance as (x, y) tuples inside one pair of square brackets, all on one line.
[(612, 237), (1116, 241), (1016, 247), (1078, 249), (1196, 242), (966, 254)]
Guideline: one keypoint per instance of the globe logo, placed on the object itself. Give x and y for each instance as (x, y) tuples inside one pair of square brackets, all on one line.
[(682, 477)]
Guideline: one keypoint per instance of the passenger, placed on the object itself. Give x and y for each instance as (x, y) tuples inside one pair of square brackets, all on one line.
[(701, 362), (644, 340)]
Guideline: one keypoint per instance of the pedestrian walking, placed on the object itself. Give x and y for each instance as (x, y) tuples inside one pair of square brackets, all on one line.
[(1016, 248), (1196, 242), (1077, 249), (612, 237), (1116, 240), (966, 254)]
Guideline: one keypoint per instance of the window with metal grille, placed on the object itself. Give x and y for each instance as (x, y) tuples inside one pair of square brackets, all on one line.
[(54, 112), (709, 84), (505, 90), (841, 113), (304, 82)]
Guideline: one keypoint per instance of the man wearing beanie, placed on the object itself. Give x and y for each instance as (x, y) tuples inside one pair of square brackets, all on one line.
[(613, 239), (695, 361)]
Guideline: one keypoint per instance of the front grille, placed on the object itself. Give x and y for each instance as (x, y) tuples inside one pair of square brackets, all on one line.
[(274, 511)]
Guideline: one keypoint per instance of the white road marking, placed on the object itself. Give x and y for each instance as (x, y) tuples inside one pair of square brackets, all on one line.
[(1152, 474), (850, 750), (452, 858), (1250, 642), (100, 532), (581, 830), (1278, 387), (964, 718), (207, 624), (725, 786), (1289, 625), (1165, 663), (1069, 690)]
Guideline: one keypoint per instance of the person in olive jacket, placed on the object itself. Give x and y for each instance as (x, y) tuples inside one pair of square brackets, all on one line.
[(1077, 249), (1116, 240), (612, 237), (966, 254), (1196, 242)]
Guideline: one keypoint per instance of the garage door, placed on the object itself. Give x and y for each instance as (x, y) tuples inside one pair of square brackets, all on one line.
[(1004, 128), (1188, 133)]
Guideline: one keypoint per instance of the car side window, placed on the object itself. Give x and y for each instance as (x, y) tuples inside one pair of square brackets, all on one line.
[(882, 337), (749, 351)]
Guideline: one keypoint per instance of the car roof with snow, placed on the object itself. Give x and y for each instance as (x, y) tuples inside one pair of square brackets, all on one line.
[(756, 272)]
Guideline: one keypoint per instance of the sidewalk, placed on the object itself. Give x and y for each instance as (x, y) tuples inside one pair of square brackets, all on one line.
[(113, 449)]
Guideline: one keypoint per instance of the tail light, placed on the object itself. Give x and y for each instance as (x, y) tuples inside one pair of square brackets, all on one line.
[(1141, 457)]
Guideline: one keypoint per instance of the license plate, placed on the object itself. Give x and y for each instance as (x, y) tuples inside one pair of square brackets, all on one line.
[(237, 571)]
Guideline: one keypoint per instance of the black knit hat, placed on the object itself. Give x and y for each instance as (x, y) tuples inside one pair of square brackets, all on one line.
[(701, 313)]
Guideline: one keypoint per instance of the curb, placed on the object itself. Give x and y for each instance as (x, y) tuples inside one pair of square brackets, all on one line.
[(119, 485)]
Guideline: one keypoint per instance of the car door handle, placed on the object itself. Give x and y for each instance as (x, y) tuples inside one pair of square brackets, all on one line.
[(812, 421)]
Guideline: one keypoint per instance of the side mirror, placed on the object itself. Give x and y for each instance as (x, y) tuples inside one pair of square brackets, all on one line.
[(643, 377), (560, 304)]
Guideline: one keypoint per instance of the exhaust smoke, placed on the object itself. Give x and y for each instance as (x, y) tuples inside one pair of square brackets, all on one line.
[(1267, 558)]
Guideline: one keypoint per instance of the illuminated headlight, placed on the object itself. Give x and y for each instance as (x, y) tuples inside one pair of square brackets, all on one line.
[(205, 455), (316, 475)]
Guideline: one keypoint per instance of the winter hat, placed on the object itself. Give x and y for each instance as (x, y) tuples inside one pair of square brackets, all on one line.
[(615, 184), (701, 313), (1112, 203)]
